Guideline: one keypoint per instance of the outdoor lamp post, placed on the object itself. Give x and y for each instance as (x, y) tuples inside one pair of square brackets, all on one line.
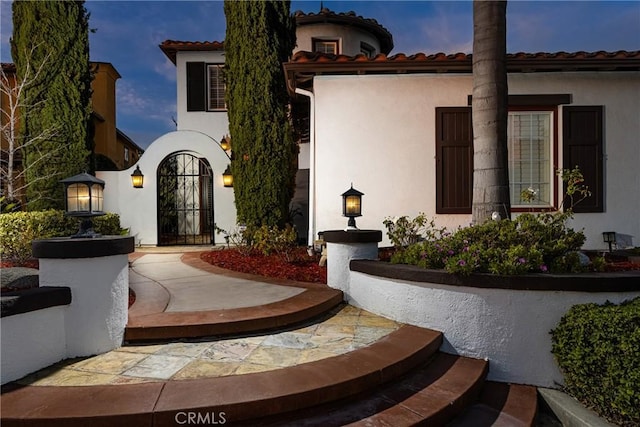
[(137, 178), (610, 238), (84, 199), (352, 206), (227, 177)]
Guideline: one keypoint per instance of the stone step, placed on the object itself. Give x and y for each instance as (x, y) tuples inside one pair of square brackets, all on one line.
[(501, 405), (240, 397), (149, 322), (432, 394)]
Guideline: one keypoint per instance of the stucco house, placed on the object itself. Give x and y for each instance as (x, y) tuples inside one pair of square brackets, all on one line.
[(399, 128)]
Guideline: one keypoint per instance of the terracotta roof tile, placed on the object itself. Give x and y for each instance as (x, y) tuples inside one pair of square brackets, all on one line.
[(304, 65), (172, 47)]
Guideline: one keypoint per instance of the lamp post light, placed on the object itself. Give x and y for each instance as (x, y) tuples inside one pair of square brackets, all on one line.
[(610, 238), (137, 178), (84, 199), (352, 206)]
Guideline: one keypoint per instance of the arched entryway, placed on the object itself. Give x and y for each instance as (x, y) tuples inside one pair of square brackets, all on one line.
[(185, 201)]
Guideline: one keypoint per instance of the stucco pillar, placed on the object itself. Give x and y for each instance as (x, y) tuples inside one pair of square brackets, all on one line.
[(97, 272), (342, 247)]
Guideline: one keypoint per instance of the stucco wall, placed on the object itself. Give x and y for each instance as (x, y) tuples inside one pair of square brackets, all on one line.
[(378, 132), (137, 207), (349, 37), (508, 327), (212, 123)]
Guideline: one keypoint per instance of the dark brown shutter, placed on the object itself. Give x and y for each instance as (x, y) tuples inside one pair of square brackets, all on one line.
[(196, 86), (583, 147), (454, 160)]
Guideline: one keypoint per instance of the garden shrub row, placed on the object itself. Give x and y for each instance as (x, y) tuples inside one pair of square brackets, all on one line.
[(597, 348), (527, 244), (19, 229)]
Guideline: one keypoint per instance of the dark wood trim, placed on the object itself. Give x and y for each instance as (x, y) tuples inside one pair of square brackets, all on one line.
[(536, 100)]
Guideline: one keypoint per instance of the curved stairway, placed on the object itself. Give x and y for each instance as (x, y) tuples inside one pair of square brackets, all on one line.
[(399, 380)]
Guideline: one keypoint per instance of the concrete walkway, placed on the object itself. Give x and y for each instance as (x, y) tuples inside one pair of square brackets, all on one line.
[(192, 289)]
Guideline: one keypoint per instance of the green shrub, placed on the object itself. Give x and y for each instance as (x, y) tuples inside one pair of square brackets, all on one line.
[(269, 240), (405, 231), (19, 229), (597, 348), (530, 243)]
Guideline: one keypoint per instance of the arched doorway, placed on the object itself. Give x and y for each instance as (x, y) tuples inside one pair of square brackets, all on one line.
[(185, 201)]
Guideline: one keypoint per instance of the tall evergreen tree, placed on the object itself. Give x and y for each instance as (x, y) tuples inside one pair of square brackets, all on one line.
[(60, 101), (260, 37)]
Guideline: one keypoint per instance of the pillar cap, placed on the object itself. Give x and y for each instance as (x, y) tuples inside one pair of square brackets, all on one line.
[(65, 247), (352, 236)]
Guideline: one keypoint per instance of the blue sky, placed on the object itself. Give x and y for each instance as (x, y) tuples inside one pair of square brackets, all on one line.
[(129, 32)]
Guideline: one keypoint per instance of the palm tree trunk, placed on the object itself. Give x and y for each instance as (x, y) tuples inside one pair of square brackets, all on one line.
[(489, 111)]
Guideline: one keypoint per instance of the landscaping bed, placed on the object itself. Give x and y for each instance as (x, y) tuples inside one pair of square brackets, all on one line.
[(295, 265)]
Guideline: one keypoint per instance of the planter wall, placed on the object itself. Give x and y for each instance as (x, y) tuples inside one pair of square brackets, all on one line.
[(33, 333), (504, 319)]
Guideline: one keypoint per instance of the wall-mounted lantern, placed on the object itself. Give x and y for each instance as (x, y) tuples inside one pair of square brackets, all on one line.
[(84, 197), (227, 177), (137, 178), (352, 206), (225, 143), (610, 238)]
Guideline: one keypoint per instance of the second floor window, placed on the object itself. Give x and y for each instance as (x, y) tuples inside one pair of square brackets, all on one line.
[(325, 46), (216, 87), (205, 87)]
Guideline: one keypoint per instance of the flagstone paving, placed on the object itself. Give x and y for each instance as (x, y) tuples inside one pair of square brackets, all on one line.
[(345, 329)]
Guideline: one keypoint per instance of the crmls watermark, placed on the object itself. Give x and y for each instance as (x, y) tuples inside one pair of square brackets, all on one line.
[(200, 418)]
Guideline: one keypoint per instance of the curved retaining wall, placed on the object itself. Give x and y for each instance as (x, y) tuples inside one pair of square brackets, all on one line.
[(504, 319)]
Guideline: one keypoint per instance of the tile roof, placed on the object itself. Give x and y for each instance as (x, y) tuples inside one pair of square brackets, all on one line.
[(304, 65), (172, 47), (348, 18)]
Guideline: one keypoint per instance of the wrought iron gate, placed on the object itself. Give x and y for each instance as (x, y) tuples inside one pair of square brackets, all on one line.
[(185, 201)]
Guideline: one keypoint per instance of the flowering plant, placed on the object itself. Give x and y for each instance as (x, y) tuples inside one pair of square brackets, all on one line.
[(528, 244)]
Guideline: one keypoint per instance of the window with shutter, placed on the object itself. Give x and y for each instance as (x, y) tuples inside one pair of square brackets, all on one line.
[(196, 94), (583, 147), (454, 160)]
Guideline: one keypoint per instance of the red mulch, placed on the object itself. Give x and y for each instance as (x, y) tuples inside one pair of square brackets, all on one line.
[(301, 267), (30, 263)]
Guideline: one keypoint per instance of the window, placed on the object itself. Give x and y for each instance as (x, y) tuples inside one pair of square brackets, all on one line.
[(126, 154), (367, 50), (531, 137), (216, 87), (325, 46), (205, 87), (530, 143)]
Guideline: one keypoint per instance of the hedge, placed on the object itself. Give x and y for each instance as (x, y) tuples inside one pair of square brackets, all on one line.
[(19, 229), (597, 348)]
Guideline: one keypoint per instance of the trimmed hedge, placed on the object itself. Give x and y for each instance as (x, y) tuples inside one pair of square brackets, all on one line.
[(19, 229), (597, 347)]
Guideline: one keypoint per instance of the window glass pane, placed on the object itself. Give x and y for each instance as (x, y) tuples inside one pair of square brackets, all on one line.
[(327, 46), (216, 88), (529, 139)]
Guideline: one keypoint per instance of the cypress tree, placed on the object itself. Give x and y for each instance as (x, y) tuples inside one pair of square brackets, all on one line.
[(260, 37), (54, 36)]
